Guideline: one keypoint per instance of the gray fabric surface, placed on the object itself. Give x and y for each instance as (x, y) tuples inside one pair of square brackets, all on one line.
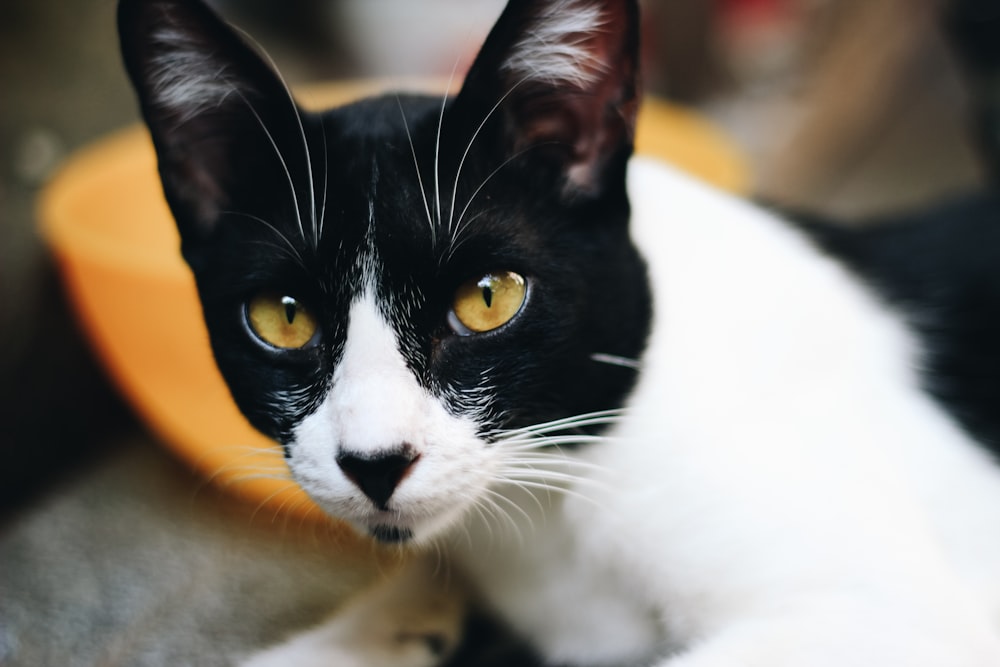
[(139, 563)]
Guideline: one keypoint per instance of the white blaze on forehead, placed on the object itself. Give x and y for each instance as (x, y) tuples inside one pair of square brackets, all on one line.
[(374, 406), (555, 49), (376, 400)]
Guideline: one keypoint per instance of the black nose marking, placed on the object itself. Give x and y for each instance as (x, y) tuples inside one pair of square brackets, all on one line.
[(378, 475)]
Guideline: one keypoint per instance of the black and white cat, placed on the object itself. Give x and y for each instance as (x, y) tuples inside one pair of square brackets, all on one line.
[(648, 423)]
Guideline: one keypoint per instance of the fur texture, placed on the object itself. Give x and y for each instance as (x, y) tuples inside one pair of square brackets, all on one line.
[(729, 449)]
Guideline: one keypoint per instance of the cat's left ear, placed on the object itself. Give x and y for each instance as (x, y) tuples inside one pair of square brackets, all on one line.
[(220, 117), (564, 75)]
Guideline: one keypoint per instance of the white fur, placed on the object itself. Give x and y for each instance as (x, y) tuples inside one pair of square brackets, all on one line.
[(399, 623), (780, 494), (184, 79), (376, 405), (555, 50)]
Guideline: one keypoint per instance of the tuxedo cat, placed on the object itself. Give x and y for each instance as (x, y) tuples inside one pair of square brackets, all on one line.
[(635, 420)]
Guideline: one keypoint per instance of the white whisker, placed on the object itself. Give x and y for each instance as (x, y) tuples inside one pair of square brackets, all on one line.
[(528, 485), (281, 159), (577, 421), (468, 147), (615, 360), (291, 247), (551, 441), (437, 148), (416, 165), (302, 131), (497, 496), (458, 224), (326, 180)]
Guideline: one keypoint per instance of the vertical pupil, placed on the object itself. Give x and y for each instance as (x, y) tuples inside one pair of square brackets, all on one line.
[(488, 296), (289, 304)]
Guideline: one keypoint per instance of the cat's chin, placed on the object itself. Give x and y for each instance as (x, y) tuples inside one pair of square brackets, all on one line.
[(391, 534), (397, 529)]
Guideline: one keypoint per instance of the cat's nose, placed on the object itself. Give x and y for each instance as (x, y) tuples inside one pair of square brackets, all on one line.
[(378, 475)]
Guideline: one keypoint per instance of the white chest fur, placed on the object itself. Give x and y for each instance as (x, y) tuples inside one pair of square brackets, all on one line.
[(780, 473)]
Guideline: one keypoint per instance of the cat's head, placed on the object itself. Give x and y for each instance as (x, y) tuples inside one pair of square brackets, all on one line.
[(394, 287)]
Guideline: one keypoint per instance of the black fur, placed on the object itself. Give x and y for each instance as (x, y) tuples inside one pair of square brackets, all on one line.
[(519, 210), (941, 268), (974, 29)]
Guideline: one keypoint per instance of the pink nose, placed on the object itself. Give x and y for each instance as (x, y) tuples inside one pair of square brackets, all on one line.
[(378, 475)]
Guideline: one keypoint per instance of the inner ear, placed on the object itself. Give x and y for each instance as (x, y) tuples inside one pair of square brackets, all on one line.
[(217, 112), (565, 73)]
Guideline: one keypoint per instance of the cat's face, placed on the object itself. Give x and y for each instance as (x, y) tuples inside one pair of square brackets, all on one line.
[(405, 291)]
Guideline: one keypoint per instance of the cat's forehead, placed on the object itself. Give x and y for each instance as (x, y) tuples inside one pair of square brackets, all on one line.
[(404, 178)]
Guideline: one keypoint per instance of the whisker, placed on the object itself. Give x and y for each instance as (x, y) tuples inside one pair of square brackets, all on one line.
[(472, 140), (503, 517), (416, 165), (495, 495), (302, 130), (458, 225), (530, 443), (527, 485), (281, 159), (576, 421), (437, 148), (546, 477), (615, 360), (455, 245), (561, 464), (326, 179), (269, 499), (291, 247)]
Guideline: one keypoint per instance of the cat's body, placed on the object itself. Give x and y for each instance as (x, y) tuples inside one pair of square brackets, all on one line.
[(726, 514), (754, 443)]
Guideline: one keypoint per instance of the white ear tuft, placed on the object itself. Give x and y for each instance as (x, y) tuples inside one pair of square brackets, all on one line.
[(557, 50), (183, 78)]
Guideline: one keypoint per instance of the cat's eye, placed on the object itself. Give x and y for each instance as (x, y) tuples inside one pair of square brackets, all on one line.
[(281, 321), (487, 303)]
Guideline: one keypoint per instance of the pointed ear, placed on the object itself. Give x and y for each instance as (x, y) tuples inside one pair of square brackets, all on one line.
[(565, 75), (207, 98)]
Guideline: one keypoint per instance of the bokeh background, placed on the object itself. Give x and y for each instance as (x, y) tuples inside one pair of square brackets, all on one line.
[(113, 553)]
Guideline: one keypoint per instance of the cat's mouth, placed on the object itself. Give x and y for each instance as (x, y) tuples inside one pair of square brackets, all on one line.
[(388, 534)]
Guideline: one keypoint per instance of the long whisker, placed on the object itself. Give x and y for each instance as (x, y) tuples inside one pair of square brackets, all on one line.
[(416, 165), (615, 360), (497, 496), (502, 515), (555, 461), (291, 247), (577, 421), (527, 485), (326, 179), (281, 158), (458, 225), (475, 135), (437, 147), (302, 130), (549, 477), (552, 441)]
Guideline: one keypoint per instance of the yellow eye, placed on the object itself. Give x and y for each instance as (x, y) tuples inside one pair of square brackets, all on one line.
[(489, 302), (281, 321)]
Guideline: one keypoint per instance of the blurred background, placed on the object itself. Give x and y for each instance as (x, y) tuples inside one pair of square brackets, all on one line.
[(113, 553)]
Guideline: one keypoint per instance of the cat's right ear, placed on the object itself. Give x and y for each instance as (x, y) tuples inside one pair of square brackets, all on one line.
[(213, 107)]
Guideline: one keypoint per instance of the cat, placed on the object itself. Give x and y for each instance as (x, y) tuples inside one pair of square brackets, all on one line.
[(643, 422)]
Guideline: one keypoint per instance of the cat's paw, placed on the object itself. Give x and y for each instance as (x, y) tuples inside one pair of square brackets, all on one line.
[(410, 620)]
